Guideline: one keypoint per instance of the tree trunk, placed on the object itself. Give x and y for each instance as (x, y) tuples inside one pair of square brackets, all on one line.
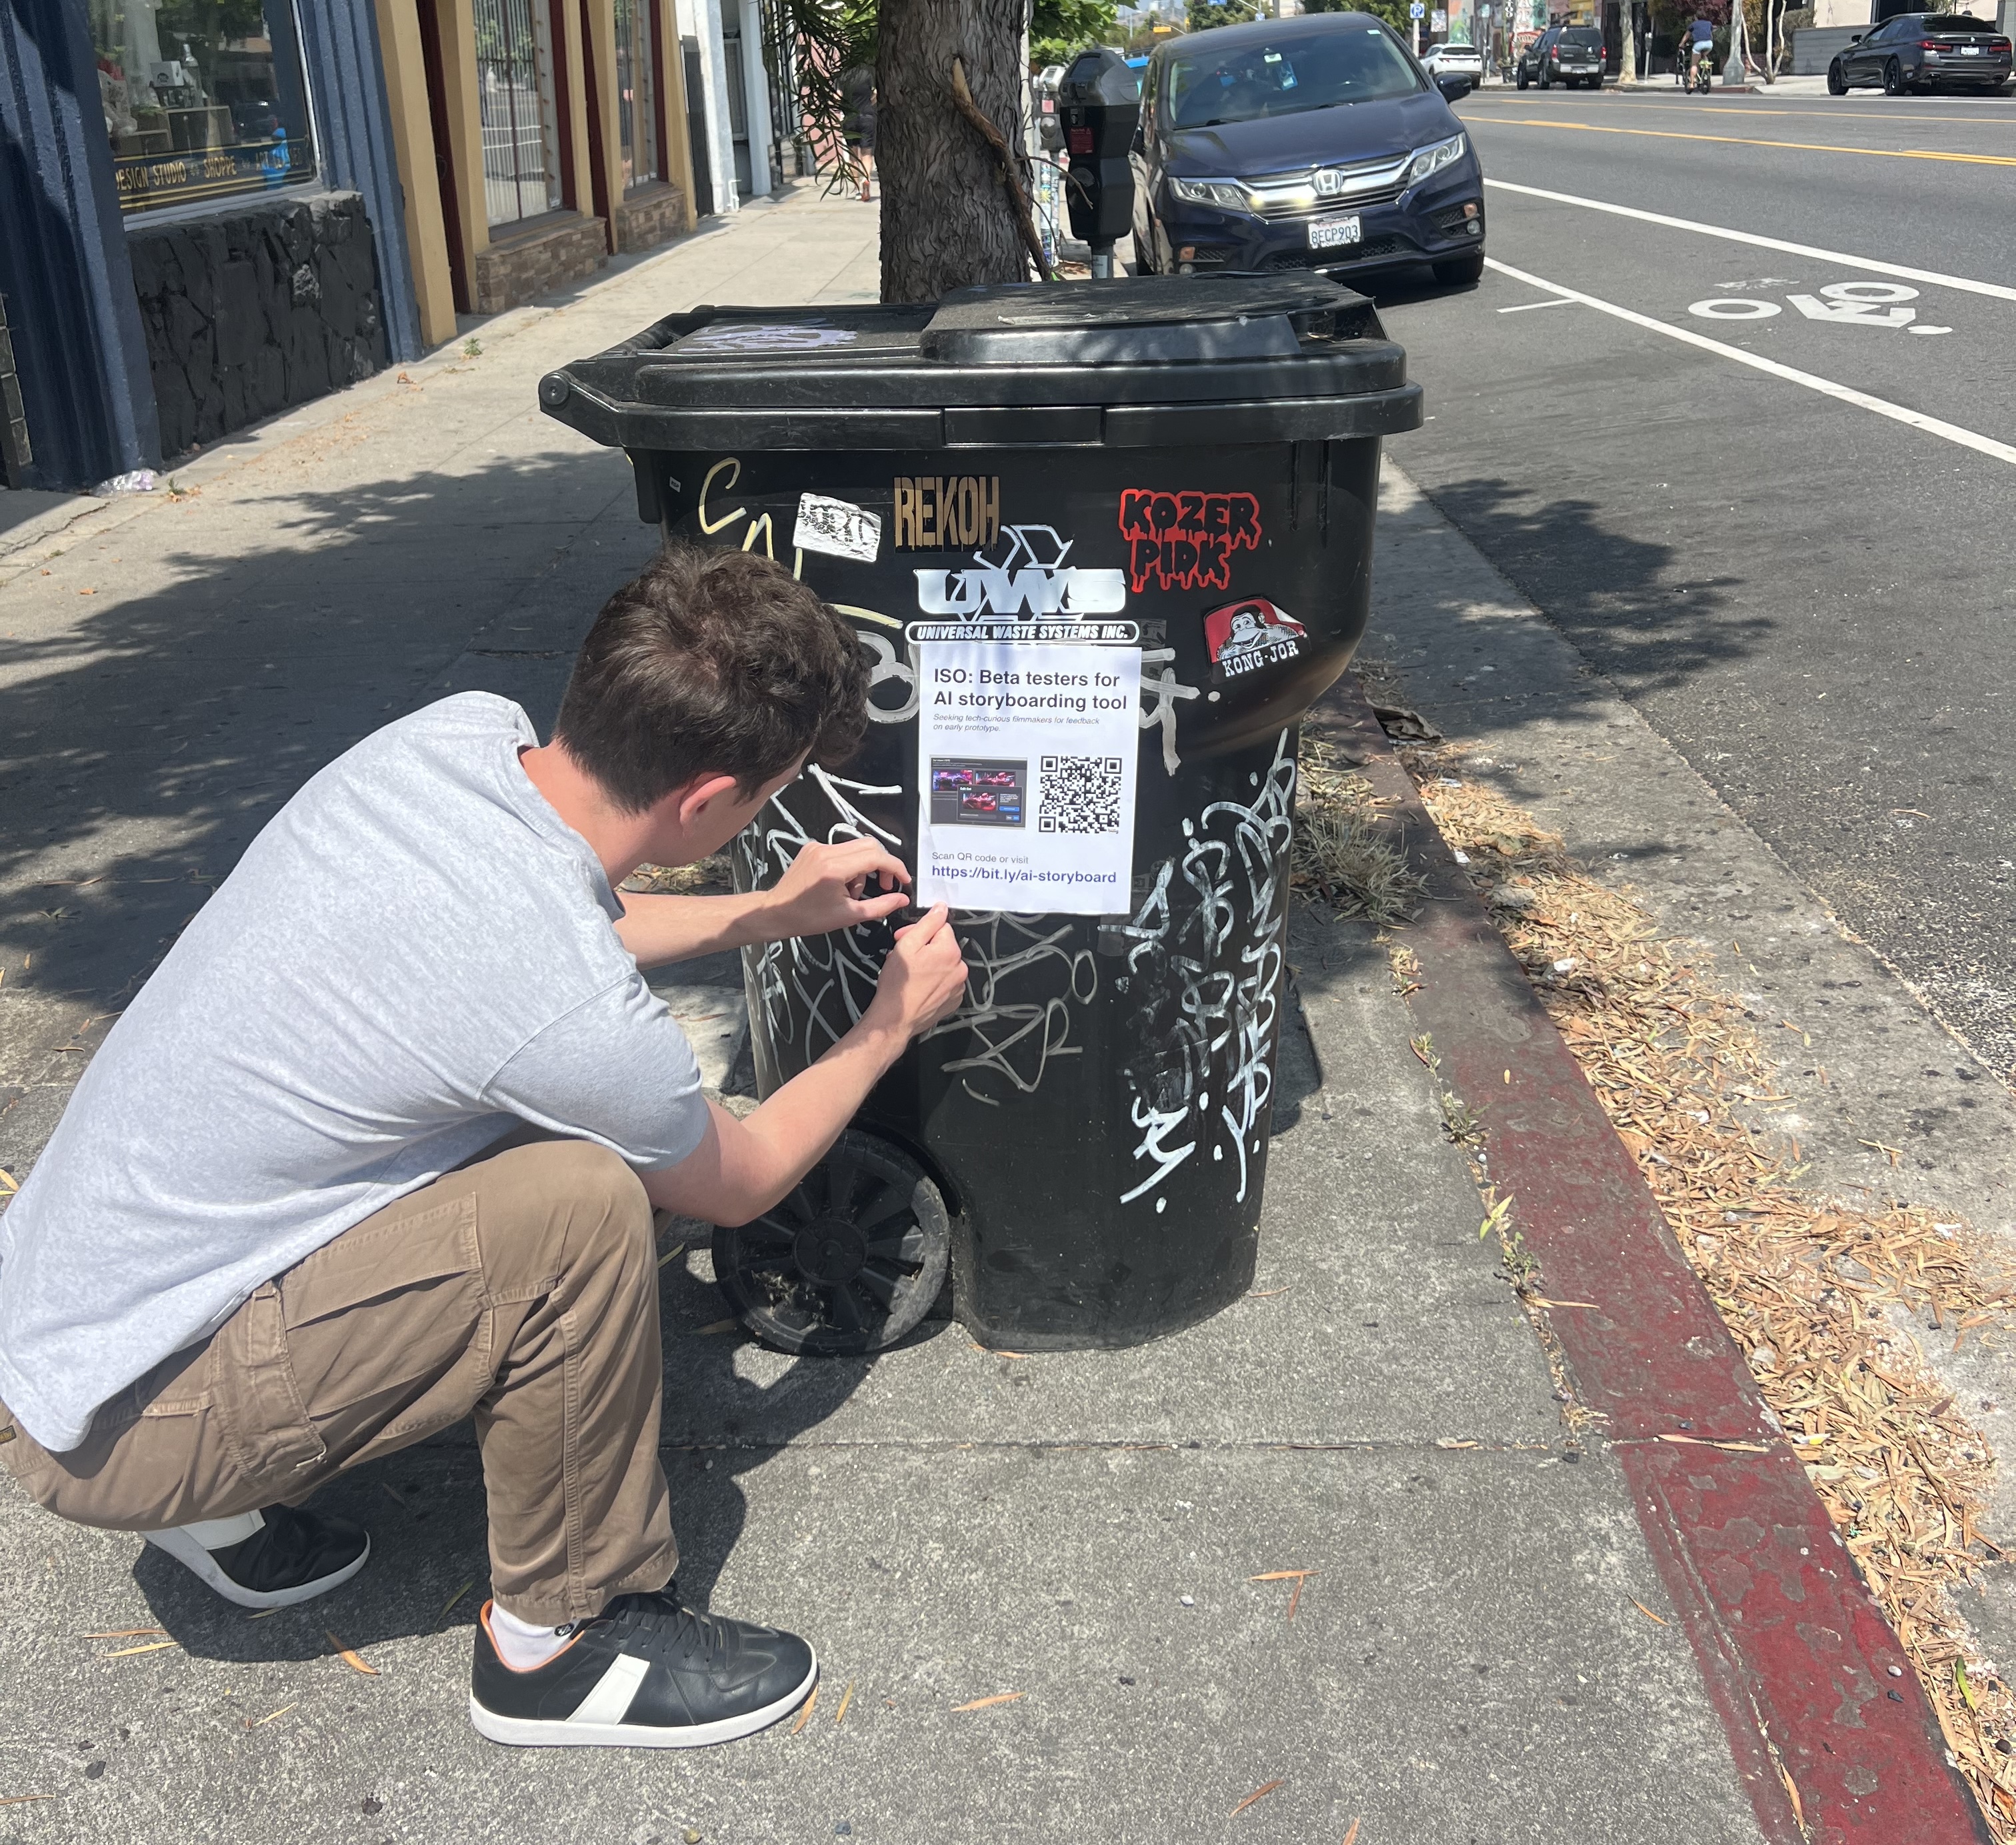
[(946, 218)]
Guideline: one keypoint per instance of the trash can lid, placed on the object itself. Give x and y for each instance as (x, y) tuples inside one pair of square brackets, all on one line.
[(1133, 362)]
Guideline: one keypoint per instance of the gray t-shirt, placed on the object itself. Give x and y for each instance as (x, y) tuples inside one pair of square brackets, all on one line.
[(414, 955)]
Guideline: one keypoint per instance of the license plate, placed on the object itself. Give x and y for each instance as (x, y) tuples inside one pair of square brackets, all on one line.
[(1970, 51), (1329, 233)]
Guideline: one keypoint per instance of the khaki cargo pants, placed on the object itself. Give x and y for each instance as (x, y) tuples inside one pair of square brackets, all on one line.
[(522, 1288)]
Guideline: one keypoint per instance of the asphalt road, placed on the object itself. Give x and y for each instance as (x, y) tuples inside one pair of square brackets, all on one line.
[(1798, 572)]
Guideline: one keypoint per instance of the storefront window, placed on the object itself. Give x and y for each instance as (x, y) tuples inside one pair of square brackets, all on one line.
[(203, 98), (514, 65), (636, 89)]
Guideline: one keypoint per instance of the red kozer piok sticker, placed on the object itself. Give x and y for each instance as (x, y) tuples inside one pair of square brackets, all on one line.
[(1244, 637), (1185, 540)]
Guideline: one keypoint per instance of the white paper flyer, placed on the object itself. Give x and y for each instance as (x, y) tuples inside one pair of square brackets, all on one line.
[(1025, 767)]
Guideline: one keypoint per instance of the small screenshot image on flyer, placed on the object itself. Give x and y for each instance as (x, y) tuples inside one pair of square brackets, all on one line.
[(977, 791)]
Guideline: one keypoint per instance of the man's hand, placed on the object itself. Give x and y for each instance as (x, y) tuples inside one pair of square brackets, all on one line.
[(825, 887), (923, 978), (741, 1168)]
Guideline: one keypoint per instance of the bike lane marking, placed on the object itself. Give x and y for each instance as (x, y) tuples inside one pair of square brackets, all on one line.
[(1996, 290), (1931, 425)]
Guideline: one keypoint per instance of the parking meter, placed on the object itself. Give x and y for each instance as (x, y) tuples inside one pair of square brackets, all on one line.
[(1099, 101)]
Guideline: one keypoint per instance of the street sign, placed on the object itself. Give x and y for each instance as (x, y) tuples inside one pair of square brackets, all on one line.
[(1438, 20), (1417, 11)]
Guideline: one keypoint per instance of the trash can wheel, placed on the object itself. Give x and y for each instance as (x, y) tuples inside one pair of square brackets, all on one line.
[(849, 1262)]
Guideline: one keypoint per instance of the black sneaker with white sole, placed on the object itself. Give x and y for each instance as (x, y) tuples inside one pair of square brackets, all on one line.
[(644, 1674), (270, 1559)]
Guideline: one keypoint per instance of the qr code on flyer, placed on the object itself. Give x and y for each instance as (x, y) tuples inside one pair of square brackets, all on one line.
[(1080, 794)]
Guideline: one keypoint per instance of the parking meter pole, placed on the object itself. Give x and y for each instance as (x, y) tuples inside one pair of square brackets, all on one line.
[(1102, 546)]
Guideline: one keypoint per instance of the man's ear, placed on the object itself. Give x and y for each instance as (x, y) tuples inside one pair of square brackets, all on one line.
[(691, 802)]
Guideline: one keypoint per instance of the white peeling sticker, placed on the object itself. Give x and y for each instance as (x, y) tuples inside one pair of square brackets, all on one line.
[(837, 528)]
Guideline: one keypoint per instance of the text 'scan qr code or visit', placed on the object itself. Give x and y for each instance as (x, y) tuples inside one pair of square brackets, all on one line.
[(1079, 794)]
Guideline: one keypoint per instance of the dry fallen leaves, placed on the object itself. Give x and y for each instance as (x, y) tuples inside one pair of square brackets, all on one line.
[(127, 1653), (805, 1715), (1259, 1793), (1297, 1576), (1351, 1837), (124, 1633), (259, 1723), (982, 1703), (350, 1657), (1816, 1292), (1642, 1609), (846, 1698)]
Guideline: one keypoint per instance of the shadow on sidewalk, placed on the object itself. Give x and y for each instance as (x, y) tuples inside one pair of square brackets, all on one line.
[(1631, 604), (149, 739)]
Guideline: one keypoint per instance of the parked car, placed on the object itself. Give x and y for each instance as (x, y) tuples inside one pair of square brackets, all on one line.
[(1923, 51), (1564, 55), (1315, 142), (1462, 60)]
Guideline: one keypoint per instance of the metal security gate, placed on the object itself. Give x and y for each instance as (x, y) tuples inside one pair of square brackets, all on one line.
[(703, 167), (738, 94)]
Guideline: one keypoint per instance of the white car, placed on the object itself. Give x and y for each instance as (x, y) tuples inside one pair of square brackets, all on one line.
[(1454, 60)]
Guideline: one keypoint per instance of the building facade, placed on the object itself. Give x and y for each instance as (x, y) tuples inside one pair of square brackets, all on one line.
[(212, 211)]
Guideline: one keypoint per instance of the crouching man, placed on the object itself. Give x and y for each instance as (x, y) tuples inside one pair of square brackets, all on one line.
[(275, 1236)]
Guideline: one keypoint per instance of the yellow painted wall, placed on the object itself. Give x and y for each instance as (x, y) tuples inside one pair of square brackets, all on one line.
[(465, 120), (566, 30), (413, 143)]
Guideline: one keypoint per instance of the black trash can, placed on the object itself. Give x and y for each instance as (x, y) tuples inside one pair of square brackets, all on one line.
[(1169, 479)]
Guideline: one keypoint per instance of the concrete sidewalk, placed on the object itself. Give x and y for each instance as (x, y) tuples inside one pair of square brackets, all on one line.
[(1483, 1649)]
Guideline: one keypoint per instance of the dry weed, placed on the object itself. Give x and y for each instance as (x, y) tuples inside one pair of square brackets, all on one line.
[(1817, 1293), (1341, 853)]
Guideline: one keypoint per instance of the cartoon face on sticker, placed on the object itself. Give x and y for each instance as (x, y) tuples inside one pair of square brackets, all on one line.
[(1243, 637)]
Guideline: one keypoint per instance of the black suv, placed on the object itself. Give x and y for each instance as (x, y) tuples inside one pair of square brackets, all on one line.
[(1565, 55)]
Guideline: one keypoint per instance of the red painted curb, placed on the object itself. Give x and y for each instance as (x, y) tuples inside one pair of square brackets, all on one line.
[(1798, 1658)]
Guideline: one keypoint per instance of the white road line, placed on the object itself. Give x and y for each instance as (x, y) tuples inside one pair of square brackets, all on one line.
[(1965, 283), (1949, 432), (1527, 306)]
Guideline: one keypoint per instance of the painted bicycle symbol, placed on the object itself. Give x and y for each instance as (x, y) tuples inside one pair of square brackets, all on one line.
[(1841, 303)]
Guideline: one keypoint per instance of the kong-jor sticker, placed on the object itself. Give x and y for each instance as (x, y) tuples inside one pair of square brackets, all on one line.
[(1244, 637), (1185, 540)]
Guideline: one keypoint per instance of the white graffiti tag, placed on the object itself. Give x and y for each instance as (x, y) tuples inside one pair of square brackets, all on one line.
[(1022, 984), (1205, 962), (838, 970)]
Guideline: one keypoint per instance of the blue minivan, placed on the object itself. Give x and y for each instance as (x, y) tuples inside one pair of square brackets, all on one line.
[(1315, 142)]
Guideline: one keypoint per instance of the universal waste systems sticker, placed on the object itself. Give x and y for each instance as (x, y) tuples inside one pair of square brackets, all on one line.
[(1025, 769)]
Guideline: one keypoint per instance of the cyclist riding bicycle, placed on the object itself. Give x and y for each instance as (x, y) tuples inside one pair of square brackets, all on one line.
[(1698, 49)]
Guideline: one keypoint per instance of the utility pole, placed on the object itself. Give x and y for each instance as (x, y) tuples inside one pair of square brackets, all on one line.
[(1627, 56)]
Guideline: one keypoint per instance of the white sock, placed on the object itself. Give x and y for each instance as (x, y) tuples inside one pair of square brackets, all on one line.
[(522, 1646)]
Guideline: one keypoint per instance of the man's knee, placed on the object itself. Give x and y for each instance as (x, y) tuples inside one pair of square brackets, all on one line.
[(585, 1201)]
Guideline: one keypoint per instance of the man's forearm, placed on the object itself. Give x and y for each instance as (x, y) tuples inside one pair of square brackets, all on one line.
[(659, 929), (742, 1168)]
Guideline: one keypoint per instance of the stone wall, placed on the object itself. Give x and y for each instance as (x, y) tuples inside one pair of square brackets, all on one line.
[(264, 305), (644, 219), (557, 249)]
